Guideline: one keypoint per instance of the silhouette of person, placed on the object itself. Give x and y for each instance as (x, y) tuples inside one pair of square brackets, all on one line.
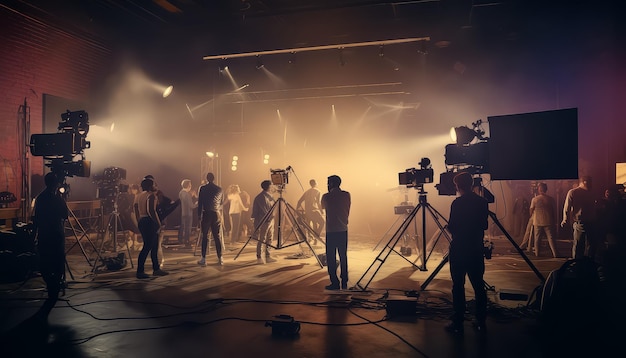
[(49, 215), (145, 206), (210, 201), (542, 213), (580, 208), (187, 205), (468, 222), (312, 207), (336, 202), (264, 229)]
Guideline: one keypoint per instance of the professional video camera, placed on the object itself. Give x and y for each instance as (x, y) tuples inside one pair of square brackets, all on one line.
[(109, 185), (63, 151), (417, 177), (280, 177)]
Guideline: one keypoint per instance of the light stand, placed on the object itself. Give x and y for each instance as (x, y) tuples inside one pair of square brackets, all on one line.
[(83, 234), (424, 206), (115, 222), (288, 212)]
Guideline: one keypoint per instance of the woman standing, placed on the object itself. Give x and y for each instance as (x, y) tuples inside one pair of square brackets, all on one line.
[(145, 206), (235, 210)]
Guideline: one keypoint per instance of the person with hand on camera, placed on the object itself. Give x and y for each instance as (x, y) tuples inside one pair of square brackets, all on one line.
[(145, 206), (468, 221)]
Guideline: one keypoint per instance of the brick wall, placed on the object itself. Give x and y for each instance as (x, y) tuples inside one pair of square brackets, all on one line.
[(39, 58)]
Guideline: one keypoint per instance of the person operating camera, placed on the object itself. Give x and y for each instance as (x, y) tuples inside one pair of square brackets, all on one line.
[(468, 221)]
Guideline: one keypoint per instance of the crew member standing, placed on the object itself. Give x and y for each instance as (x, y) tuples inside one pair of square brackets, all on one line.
[(49, 215), (468, 221), (210, 201), (336, 203)]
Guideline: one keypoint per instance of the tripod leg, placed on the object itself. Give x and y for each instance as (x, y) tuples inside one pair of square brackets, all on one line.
[(291, 214), (519, 250), (267, 217)]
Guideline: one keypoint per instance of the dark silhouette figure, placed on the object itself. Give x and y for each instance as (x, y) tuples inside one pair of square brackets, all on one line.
[(468, 221), (580, 208), (49, 215), (145, 206), (336, 203), (264, 229), (210, 201)]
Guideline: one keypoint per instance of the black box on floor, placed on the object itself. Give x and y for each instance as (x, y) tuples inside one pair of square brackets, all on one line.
[(513, 295), (401, 306)]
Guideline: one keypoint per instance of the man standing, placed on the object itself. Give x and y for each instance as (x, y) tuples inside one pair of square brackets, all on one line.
[(542, 208), (264, 229), (579, 204), (468, 222), (312, 207), (210, 200), (49, 215), (337, 205)]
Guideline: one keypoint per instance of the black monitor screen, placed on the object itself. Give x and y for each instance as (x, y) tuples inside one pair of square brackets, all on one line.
[(534, 146)]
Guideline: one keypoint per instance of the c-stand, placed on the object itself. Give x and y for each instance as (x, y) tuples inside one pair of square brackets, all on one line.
[(288, 212), (115, 222)]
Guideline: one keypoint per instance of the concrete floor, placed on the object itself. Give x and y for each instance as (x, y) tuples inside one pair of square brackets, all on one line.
[(231, 310)]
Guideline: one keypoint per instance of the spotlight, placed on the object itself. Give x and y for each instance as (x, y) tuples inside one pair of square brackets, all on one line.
[(462, 135), (259, 63), (292, 58), (168, 91)]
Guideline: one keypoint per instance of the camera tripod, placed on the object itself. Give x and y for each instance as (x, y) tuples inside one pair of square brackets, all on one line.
[(115, 222), (424, 255), (286, 212), (493, 217)]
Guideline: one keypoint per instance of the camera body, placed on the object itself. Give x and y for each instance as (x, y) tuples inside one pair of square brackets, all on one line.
[(417, 177)]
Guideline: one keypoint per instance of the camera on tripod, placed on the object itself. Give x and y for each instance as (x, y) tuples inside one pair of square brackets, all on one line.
[(63, 151), (280, 177), (417, 177), (109, 186)]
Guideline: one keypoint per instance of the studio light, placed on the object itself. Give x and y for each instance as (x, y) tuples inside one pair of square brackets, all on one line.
[(259, 63), (462, 135), (168, 91)]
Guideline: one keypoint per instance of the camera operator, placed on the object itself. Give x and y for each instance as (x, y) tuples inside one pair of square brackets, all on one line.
[(49, 215), (468, 222)]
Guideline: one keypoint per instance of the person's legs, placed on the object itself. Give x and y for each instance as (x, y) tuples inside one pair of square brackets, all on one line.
[(475, 273), (331, 259), (457, 272), (342, 250), (144, 228), (549, 231), (578, 246), (204, 233), (154, 244), (216, 224), (235, 219)]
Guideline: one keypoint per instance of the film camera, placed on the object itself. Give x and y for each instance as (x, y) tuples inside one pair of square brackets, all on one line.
[(280, 177), (109, 186), (417, 177), (63, 151)]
